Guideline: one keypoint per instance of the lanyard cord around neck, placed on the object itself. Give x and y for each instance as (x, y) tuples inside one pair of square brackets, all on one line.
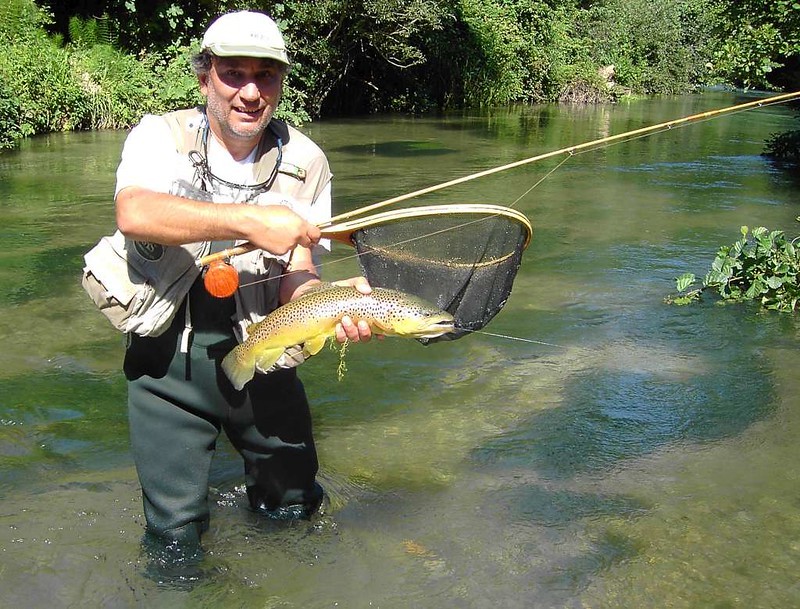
[(200, 162)]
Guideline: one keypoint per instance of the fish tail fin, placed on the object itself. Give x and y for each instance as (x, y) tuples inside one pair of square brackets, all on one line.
[(240, 366)]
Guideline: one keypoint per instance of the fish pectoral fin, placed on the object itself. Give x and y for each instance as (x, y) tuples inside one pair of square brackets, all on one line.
[(314, 345), (266, 357)]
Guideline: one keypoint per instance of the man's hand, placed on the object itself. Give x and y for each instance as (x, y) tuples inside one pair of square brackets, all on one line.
[(278, 229), (347, 330), (358, 330)]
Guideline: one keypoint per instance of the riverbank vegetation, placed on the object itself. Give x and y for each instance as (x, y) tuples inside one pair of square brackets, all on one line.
[(762, 266), (103, 63)]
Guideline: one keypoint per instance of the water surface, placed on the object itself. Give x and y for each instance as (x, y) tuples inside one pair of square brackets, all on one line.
[(635, 455)]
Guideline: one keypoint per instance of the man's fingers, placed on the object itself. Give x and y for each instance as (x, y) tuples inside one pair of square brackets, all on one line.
[(355, 332)]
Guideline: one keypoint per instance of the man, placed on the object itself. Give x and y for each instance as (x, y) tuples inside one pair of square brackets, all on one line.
[(262, 182)]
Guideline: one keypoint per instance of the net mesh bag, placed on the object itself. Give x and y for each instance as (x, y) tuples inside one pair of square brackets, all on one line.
[(463, 259)]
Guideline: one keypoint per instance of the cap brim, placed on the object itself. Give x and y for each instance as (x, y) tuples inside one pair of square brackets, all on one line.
[(229, 50)]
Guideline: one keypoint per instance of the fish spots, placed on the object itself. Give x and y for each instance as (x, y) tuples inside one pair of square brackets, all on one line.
[(311, 319)]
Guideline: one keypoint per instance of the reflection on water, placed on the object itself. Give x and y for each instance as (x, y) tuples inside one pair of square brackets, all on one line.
[(636, 455)]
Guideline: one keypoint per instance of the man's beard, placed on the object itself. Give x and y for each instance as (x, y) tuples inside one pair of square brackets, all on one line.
[(243, 131)]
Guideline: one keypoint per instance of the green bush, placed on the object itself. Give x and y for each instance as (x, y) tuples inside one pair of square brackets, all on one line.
[(48, 97), (360, 56), (492, 71), (762, 266), (38, 93), (784, 147), (10, 118), (655, 47), (755, 38), (176, 83), (21, 21), (118, 88)]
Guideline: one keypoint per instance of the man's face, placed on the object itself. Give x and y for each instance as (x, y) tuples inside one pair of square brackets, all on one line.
[(241, 96)]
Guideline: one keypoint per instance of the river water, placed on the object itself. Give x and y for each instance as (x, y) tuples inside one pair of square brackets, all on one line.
[(626, 453)]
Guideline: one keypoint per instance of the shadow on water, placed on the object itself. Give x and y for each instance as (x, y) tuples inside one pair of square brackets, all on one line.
[(627, 406), (45, 435), (560, 507), (610, 417), (399, 149), (41, 274)]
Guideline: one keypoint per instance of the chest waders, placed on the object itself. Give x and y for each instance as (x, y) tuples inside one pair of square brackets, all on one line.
[(179, 401)]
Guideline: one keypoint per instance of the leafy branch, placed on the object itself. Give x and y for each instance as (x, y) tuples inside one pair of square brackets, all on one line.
[(762, 265)]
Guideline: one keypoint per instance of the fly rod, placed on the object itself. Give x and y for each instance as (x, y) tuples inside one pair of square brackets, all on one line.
[(665, 126)]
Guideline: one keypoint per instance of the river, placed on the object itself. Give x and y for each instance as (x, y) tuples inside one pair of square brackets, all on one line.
[(601, 449)]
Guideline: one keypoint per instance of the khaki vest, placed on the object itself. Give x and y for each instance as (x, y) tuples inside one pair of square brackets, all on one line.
[(140, 288), (303, 173)]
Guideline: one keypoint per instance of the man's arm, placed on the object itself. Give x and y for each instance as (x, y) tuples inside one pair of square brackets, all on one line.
[(301, 274), (146, 215)]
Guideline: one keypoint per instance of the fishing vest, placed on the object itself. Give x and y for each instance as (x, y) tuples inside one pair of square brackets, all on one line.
[(140, 286), (303, 172)]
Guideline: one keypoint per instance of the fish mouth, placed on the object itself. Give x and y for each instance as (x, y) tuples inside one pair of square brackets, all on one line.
[(436, 328)]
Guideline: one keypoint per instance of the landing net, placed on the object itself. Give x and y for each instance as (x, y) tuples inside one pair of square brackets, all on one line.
[(463, 258)]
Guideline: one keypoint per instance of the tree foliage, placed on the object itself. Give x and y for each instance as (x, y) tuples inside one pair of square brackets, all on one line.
[(37, 94), (655, 47), (756, 39), (357, 56), (102, 63)]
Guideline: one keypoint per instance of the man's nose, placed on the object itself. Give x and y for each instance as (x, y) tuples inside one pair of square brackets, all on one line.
[(249, 91)]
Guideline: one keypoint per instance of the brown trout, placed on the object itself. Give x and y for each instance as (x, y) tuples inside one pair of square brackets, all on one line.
[(311, 319)]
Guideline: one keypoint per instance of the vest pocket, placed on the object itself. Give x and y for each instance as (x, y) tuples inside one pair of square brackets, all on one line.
[(139, 287)]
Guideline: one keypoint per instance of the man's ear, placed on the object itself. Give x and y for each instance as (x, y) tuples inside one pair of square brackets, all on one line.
[(203, 80)]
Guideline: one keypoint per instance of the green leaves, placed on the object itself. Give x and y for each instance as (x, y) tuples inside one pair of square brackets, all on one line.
[(684, 281), (754, 38), (762, 265)]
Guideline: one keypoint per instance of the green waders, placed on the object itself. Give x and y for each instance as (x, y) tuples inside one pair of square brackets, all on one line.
[(179, 402)]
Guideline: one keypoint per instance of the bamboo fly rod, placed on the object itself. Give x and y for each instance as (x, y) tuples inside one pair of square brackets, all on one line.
[(627, 135)]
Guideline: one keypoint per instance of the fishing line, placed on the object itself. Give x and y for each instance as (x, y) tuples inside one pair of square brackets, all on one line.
[(598, 143), (429, 234), (509, 337), (569, 152), (540, 180), (472, 304)]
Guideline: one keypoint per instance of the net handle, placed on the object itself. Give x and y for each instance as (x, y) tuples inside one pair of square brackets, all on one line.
[(249, 247), (346, 229), (343, 231)]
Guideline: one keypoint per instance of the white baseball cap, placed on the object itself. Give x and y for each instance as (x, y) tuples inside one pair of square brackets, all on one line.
[(247, 34)]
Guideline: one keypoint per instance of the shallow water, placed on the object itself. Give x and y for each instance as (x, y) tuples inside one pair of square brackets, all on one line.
[(636, 455)]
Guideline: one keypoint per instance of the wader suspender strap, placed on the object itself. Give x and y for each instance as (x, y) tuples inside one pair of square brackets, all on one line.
[(187, 327)]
